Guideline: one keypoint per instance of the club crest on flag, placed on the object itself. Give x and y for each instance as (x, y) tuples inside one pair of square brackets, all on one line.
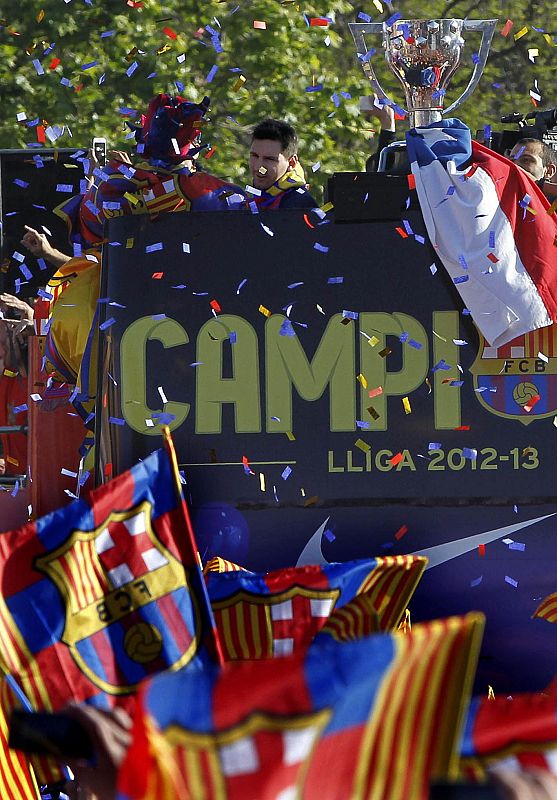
[(261, 750), (519, 379), (129, 610), (265, 626)]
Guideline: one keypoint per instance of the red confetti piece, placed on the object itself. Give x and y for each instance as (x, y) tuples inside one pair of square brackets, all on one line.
[(134, 4), (411, 181), (481, 549), (402, 531), (259, 25), (54, 63), (199, 33), (462, 428), (319, 22), (108, 470), (530, 405), (216, 306), (245, 462), (41, 137), (396, 459), (402, 232), (210, 152), (493, 258), (308, 223), (506, 29), (157, 275), (170, 33)]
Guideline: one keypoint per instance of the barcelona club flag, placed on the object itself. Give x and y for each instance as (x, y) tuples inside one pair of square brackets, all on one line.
[(520, 730), (378, 717), (277, 613), (99, 595)]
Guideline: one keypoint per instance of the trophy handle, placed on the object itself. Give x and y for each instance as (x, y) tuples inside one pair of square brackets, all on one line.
[(487, 26), (358, 29)]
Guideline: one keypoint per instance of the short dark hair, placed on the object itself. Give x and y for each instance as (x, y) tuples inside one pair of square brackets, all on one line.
[(547, 154), (278, 131)]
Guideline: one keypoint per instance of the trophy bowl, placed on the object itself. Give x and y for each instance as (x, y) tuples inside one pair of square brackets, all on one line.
[(424, 55)]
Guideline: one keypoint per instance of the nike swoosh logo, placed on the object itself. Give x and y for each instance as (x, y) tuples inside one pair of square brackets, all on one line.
[(439, 554)]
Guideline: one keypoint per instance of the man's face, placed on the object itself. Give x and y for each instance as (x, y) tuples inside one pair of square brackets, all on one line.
[(530, 159), (267, 163)]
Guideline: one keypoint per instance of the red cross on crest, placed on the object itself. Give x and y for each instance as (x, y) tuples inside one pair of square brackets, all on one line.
[(126, 551)]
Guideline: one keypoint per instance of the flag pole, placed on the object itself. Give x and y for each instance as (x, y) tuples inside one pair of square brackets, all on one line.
[(212, 637)]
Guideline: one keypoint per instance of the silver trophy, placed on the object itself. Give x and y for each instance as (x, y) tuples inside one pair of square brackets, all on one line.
[(424, 55)]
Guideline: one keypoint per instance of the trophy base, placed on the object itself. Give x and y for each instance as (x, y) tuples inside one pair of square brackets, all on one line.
[(422, 117)]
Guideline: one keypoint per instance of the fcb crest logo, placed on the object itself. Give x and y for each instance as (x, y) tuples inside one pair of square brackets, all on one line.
[(519, 379), (129, 611)]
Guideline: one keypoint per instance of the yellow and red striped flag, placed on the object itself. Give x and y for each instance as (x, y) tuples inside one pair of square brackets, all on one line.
[(547, 609), (17, 780)]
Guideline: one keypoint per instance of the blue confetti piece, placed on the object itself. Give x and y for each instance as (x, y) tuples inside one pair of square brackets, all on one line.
[(477, 581), (83, 478), (442, 364), (158, 317), (164, 418), (517, 546), (366, 56), (492, 239), (295, 285), (329, 535), (286, 329), (64, 187), (92, 207), (350, 314), (65, 82), (24, 269), (419, 239), (365, 17), (117, 421), (106, 34), (320, 247), (317, 88), (462, 261), (19, 257), (38, 66), (435, 446), (475, 58), (45, 295), (107, 324), (20, 183), (211, 74), (17, 409), (393, 19), (403, 337), (511, 581), (15, 490), (286, 473), (362, 424), (416, 345), (90, 65), (335, 280), (233, 337), (132, 68), (407, 227), (469, 453), (152, 248), (461, 279)]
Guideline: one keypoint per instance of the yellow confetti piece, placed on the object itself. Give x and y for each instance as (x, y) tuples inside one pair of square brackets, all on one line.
[(522, 32), (438, 336), (262, 481), (552, 208), (40, 15), (407, 406), (239, 83), (13, 461), (290, 436), (490, 693), (131, 198), (9, 374), (327, 207), (362, 380), (129, 243), (363, 446), (531, 210), (264, 311), (373, 341), (549, 40)]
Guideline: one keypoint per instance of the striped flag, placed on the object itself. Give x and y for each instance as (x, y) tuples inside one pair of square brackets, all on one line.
[(547, 609), (277, 613), (105, 592), (17, 780), (378, 717), (489, 223), (513, 731), (218, 564)]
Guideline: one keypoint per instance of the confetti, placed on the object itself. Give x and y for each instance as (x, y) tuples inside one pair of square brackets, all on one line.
[(286, 473), (259, 25), (402, 531), (476, 581), (396, 459), (406, 405), (362, 379), (511, 581), (375, 392), (481, 549), (506, 29), (363, 446), (264, 311)]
